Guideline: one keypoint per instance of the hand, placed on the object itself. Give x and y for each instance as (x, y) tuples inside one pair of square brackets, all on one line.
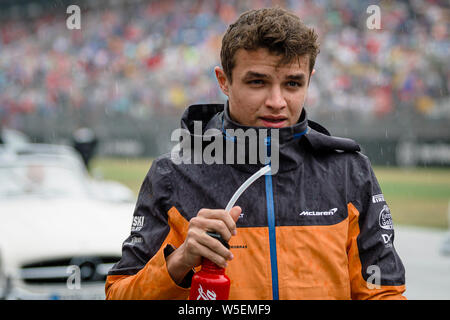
[(198, 244)]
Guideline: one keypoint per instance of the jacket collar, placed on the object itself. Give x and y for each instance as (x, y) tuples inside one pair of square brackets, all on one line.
[(216, 116)]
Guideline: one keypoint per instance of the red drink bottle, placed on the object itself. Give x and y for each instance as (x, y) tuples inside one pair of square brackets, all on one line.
[(211, 282)]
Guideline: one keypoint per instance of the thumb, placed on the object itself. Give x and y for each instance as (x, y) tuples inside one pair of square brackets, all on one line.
[(235, 212)]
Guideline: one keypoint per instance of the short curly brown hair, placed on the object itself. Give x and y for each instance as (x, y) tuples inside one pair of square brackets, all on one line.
[(275, 29)]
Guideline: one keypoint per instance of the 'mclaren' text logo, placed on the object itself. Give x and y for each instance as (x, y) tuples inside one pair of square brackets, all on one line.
[(319, 213)]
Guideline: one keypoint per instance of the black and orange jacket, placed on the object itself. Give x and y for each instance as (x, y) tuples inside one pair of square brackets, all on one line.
[(317, 229)]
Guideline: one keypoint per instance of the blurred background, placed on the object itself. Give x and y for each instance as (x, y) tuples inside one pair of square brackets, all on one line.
[(109, 95)]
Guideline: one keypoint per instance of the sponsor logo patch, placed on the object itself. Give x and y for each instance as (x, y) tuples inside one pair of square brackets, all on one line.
[(377, 198), (387, 240), (138, 223), (385, 218), (134, 241)]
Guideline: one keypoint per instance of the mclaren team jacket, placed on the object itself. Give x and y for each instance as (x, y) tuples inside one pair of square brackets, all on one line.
[(317, 229)]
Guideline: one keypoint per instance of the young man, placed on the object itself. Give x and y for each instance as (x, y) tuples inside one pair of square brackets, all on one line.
[(318, 228)]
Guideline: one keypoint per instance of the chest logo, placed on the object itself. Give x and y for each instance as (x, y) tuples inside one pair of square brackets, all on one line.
[(319, 213)]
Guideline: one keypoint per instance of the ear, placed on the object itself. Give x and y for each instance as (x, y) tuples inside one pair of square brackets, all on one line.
[(222, 80)]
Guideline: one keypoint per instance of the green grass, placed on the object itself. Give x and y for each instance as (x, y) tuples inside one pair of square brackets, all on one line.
[(417, 197), (130, 172)]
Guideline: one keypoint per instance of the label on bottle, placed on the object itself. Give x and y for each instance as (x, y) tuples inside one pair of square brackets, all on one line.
[(208, 295)]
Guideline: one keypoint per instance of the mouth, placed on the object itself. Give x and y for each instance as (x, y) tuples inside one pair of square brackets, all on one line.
[(274, 121)]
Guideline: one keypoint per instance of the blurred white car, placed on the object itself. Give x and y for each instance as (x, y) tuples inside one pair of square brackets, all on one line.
[(60, 230), (13, 137)]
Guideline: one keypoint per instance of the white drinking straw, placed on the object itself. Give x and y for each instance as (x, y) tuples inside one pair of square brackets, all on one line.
[(245, 185)]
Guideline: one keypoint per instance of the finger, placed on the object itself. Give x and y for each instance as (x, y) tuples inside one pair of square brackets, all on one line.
[(235, 212), (215, 246), (198, 245), (213, 225), (211, 255), (221, 214), (198, 250)]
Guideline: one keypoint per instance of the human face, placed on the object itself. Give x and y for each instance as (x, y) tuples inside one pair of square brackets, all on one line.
[(262, 93)]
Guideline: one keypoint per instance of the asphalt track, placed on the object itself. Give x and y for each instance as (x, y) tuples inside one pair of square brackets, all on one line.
[(427, 268)]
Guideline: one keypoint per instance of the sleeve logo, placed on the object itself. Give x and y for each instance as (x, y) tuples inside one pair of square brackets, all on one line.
[(378, 198), (387, 239), (385, 218), (138, 223)]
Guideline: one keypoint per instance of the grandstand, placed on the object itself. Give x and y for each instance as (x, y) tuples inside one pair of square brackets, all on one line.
[(135, 65)]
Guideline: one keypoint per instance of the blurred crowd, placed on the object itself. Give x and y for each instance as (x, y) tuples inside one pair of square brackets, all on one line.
[(143, 58)]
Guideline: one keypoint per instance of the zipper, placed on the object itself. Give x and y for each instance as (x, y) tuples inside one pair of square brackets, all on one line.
[(272, 233)]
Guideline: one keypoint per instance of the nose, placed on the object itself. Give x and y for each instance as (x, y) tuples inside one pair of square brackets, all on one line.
[(275, 99)]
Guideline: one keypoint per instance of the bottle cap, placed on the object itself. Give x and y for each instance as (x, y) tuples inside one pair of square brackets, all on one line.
[(219, 237)]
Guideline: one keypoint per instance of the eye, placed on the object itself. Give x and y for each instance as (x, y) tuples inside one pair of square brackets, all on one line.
[(294, 84), (256, 82)]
